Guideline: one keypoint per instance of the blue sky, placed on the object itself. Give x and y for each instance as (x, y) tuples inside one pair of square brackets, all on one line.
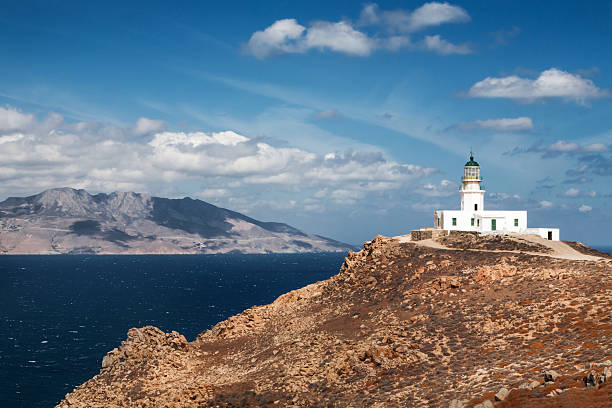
[(342, 118)]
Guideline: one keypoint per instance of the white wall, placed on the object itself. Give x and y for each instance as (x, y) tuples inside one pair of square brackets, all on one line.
[(504, 220), (543, 232), (471, 197)]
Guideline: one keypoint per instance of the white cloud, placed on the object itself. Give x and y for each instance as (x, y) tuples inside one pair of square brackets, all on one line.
[(98, 158), (439, 45), (595, 148), (445, 188), (502, 125), (287, 36), (428, 15), (146, 126), (211, 193), (585, 208), (339, 37), (12, 119), (552, 83), (572, 192), (561, 146), (434, 14), (284, 36), (545, 204)]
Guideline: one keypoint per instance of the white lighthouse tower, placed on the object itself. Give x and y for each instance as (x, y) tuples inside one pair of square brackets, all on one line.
[(473, 217), (472, 195)]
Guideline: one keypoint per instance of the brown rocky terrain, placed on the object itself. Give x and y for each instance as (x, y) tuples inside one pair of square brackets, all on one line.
[(410, 324)]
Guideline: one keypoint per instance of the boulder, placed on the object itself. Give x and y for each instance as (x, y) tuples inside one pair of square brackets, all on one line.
[(501, 394), (550, 376)]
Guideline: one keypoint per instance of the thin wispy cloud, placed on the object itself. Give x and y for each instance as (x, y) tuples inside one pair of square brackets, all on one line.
[(437, 44), (502, 125), (328, 114)]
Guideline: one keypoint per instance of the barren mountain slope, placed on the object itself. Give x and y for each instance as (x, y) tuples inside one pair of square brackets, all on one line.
[(65, 220), (402, 324)]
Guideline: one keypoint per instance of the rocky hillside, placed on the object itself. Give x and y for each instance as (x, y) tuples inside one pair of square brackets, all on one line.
[(404, 324), (73, 221)]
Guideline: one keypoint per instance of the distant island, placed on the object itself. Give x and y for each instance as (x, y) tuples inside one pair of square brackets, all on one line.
[(69, 221)]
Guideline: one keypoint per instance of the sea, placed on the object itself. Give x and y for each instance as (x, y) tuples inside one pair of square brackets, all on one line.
[(60, 314)]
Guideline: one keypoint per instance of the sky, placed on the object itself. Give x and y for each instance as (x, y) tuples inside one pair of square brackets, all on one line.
[(341, 118)]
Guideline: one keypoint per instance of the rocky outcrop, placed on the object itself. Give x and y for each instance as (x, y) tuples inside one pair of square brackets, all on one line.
[(401, 324), (65, 220)]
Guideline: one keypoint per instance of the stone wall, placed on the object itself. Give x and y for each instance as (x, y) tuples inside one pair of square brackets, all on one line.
[(430, 233)]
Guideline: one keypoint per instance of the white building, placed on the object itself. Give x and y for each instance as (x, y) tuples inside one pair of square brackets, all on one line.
[(474, 217)]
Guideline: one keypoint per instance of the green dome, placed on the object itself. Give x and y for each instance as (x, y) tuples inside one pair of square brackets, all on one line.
[(472, 162)]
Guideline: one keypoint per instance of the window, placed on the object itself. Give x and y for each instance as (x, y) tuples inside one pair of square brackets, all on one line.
[(478, 223), (493, 225), (516, 222), (472, 222), (475, 207), (454, 221)]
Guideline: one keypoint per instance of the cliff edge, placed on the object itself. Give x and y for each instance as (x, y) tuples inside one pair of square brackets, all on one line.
[(404, 323)]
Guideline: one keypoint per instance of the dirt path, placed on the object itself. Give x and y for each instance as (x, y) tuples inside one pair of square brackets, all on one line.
[(560, 249)]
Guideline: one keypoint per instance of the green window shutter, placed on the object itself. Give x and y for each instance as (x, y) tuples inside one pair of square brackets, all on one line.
[(493, 225), (516, 222), (472, 222), (454, 221)]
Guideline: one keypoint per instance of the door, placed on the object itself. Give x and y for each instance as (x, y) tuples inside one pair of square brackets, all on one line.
[(493, 225), (550, 235)]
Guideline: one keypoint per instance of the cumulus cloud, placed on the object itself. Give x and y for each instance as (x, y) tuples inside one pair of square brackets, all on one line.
[(12, 119), (428, 15), (211, 165), (585, 208), (284, 36), (439, 45), (340, 37), (146, 126), (545, 204), (287, 36), (552, 83), (502, 125)]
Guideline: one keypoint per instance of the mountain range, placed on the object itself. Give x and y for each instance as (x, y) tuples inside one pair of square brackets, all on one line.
[(69, 221)]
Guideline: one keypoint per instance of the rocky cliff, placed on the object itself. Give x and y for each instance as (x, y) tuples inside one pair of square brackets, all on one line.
[(523, 322), (72, 221)]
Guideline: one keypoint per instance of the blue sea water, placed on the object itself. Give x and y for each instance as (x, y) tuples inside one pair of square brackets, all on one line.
[(607, 249), (59, 315)]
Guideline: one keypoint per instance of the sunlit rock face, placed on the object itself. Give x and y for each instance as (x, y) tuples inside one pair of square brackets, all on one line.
[(490, 321), (65, 220)]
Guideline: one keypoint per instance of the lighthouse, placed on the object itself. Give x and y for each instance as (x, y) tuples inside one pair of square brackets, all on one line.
[(472, 193), (473, 217)]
